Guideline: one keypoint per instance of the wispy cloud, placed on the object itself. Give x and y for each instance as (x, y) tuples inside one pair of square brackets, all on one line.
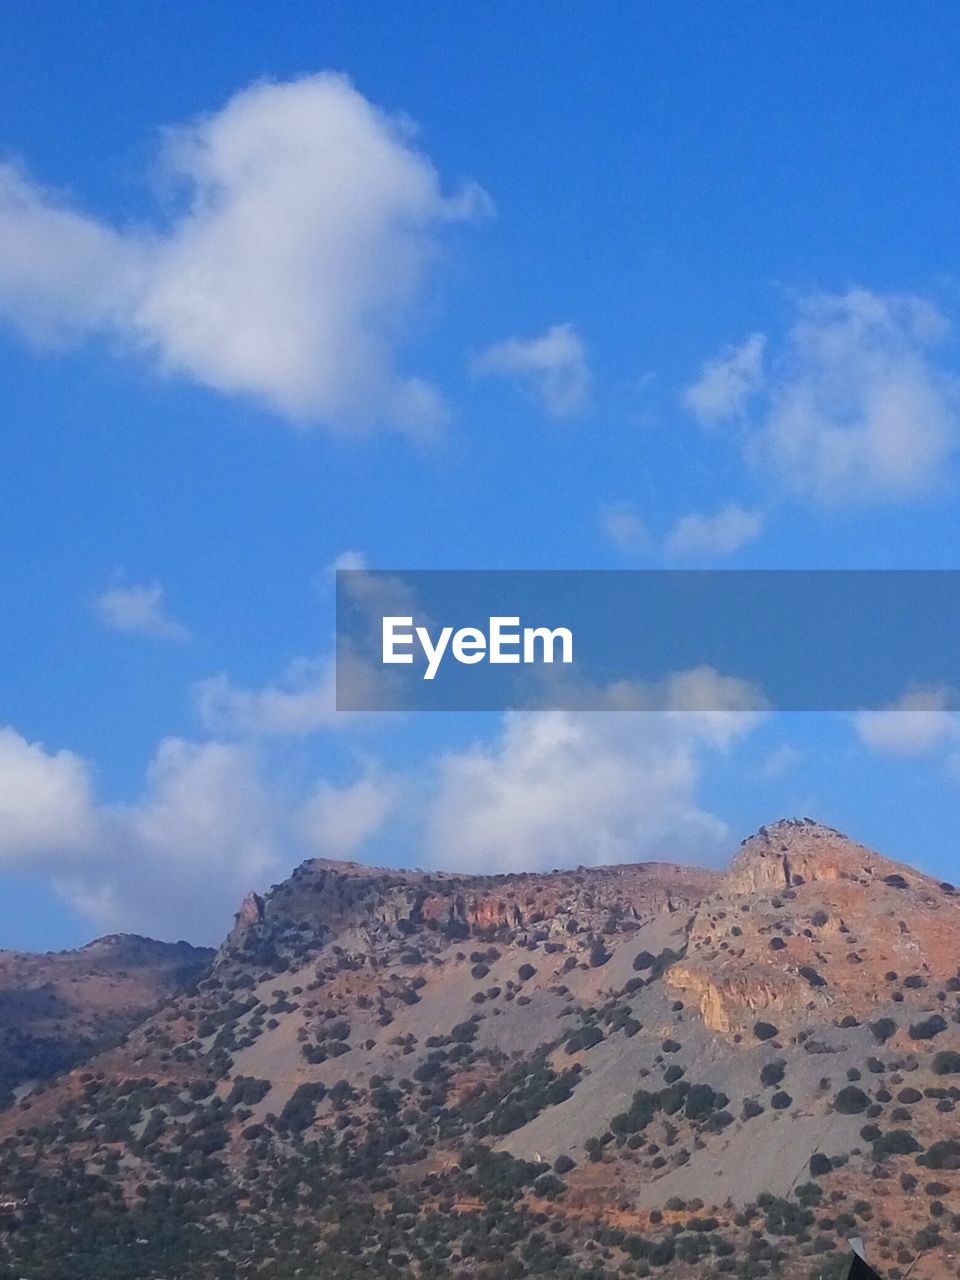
[(553, 368), (625, 528), (139, 609), (308, 230), (851, 408), (725, 384), (695, 535), (713, 536)]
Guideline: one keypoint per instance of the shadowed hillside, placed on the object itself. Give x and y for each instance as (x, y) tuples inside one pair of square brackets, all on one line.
[(57, 1009)]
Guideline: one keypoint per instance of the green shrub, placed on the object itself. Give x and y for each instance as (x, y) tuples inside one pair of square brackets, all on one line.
[(944, 1154), (811, 976), (850, 1101), (585, 1038), (883, 1029), (772, 1073), (896, 1142), (929, 1028)]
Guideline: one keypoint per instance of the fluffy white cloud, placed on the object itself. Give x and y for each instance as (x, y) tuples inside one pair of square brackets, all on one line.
[(553, 368), (337, 821), (307, 224), (178, 862), (852, 408), (173, 864), (214, 820), (716, 535), (139, 609), (46, 805), (916, 724), (725, 384), (561, 787)]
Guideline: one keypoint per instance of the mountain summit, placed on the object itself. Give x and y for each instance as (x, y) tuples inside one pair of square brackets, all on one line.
[(630, 1070)]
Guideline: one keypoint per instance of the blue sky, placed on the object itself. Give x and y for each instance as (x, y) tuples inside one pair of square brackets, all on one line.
[(447, 286)]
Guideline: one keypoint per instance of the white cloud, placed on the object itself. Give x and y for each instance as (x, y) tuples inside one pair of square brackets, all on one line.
[(562, 788), (337, 821), (139, 609), (304, 701), (46, 806), (178, 862), (174, 863), (214, 820), (625, 528), (853, 408), (916, 724), (716, 535), (553, 368), (306, 225), (724, 385)]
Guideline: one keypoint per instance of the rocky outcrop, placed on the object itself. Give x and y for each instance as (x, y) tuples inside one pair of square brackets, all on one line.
[(730, 1002), (361, 907)]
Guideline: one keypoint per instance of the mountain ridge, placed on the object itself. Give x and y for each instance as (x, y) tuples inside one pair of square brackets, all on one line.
[(591, 1072)]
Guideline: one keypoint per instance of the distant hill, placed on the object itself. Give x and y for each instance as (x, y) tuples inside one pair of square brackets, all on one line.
[(617, 1071), (57, 1009)]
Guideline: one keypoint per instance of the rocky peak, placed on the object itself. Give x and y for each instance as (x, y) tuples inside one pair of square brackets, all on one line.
[(796, 851)]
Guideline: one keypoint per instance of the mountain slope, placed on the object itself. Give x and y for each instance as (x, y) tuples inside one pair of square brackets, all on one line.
[(59, 1008), (589, 1073)]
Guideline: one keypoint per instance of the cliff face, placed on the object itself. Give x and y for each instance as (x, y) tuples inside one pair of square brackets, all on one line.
[(362, 907)]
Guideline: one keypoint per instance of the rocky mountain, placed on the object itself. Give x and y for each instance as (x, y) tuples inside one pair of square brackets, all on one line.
[(618, 1071), (58, 1009)]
